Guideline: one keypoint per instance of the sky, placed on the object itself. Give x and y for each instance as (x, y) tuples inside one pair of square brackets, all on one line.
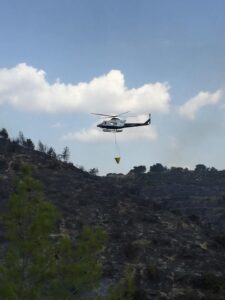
[(60, 61)]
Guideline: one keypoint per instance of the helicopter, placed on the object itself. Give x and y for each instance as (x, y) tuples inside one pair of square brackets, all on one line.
[(115, 124)]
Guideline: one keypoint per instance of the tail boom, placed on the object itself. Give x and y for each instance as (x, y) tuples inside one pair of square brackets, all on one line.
[(146, 123)]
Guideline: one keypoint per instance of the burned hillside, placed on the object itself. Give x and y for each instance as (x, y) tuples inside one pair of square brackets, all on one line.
[(168, 225)]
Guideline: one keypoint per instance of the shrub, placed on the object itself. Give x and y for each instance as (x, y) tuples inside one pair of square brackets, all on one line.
[(128, 288), (152, 272), (211, 282)]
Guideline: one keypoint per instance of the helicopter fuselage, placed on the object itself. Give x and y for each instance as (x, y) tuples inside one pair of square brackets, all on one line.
[(112, 124), (117, 125)]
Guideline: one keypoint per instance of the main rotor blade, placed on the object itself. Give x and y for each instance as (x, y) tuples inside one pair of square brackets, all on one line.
[(122, 113), (104, 115), (111, 116)]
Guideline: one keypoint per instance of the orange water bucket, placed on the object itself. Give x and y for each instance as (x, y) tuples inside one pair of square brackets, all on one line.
[(117, 159)]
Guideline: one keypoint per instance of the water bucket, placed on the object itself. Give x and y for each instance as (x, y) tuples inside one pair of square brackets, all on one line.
[(117, 159)]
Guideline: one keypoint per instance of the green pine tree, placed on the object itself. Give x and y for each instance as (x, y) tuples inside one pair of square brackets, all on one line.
[(127, 288), (37, 266)]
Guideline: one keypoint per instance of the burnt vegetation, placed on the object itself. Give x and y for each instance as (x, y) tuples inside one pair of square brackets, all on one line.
[(165, 226)]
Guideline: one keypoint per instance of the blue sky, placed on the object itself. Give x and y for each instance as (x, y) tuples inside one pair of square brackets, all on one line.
[(171, 49)]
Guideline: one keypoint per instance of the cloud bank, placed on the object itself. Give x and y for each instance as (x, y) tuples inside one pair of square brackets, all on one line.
[(192, 106), (26, 88)]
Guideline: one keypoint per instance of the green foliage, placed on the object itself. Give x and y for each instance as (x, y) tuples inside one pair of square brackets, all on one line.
[(177, 170), (200, 168), (127, 288), (158, 168), (35, 265), (213, 283), (77, 269), (28, 223), (152, 272), (138, 170)]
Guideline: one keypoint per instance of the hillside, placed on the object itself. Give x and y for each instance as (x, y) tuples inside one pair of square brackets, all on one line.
[(169, 225)]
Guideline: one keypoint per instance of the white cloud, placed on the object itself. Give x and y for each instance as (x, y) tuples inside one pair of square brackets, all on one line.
[(191, 107), (26, 88)]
